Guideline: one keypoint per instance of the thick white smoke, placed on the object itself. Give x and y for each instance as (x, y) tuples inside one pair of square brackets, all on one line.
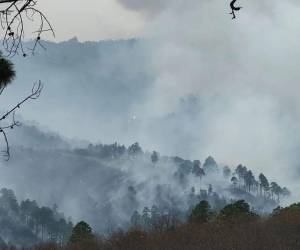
[(244, 72), (214, 86)]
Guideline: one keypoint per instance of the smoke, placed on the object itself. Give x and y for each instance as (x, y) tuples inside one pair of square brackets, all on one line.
[(200, 84), (153, 7), (111, 186), (243, 72)]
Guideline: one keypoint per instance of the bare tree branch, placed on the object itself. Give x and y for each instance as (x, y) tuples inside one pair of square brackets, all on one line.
[(35, 94), (13, 14)]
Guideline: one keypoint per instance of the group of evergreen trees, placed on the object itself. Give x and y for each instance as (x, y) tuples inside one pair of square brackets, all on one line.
[(243, 179), (156, 218), (160, 219), (203, 213), (235, 226), (27, 223), (188, 183), (110, 151)]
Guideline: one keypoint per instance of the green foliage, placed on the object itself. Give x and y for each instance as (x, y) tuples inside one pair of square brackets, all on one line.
[(237, 210), (201, 213), (7, 72), (81, 232), (295, 207), (274, 232)]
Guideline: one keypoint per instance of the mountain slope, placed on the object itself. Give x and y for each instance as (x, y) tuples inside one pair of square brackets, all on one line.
[(105, 184)]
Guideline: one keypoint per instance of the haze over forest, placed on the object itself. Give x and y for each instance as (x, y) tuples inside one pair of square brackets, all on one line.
[(183, 104), (95, 95)]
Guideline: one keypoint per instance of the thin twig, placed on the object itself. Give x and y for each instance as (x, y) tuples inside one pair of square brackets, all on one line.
[(35, 94), (12, 17)]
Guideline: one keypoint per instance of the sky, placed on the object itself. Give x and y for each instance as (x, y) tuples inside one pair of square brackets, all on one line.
[(92, 19)]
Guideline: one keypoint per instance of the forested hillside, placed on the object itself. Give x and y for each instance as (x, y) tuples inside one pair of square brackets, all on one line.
[(235, 226), (25, 223), (110, 186), (149, 125)]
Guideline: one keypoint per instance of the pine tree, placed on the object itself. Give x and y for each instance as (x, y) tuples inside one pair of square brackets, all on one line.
[(201, 213), (7, 73), (81, 232)]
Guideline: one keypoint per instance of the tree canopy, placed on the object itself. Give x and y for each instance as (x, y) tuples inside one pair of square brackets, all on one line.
[(201, 213), (236, 210), (81, 232)]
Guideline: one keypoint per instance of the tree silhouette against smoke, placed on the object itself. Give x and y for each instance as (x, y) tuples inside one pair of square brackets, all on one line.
[(13, 14), (7, 74)]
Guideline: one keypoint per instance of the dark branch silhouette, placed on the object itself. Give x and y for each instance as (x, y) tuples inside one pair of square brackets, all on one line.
[(13, 14), (35, 94), (233, 9)]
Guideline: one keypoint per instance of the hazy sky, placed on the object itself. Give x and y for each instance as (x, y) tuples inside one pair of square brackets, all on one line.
[(92, 19)]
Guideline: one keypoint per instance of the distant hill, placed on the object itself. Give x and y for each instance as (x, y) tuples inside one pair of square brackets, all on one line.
[(24, 223), (100, 91), (105, 184), (30, 136), (84, 83)]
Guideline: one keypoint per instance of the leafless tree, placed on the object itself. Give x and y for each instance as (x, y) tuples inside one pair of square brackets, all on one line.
[(35, 94), (13, 16)]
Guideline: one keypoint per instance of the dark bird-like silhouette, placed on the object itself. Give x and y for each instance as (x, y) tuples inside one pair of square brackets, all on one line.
[(233, 8)]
